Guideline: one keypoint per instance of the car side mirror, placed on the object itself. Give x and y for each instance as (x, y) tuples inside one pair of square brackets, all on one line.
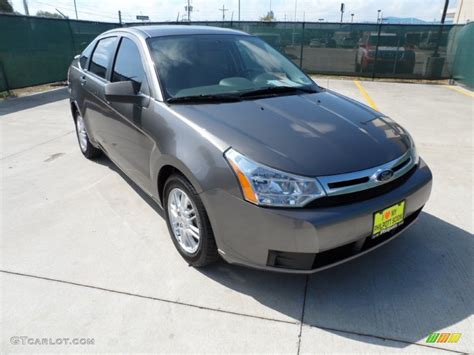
[(124, 92)]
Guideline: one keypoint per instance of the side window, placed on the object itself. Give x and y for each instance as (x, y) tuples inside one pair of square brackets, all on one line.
[(104, 51), (128, 66), (86, 53)]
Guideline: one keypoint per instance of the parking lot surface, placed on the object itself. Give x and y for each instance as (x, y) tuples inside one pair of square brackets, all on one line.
[(85, 254)]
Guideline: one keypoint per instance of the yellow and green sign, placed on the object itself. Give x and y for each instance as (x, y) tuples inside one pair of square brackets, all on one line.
[(443, 337)]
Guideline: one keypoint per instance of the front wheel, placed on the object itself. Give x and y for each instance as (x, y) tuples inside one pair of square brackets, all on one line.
[(188, 223), (85, 144)]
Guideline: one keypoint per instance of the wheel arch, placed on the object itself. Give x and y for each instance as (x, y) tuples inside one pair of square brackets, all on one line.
[(169, 167)]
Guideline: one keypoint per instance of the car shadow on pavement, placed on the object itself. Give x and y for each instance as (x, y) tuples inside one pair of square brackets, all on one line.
[(417, 284), (413, 286), (105, 161), (16, 104)]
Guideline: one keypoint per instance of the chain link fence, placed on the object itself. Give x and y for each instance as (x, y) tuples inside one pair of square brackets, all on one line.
[(37, 50)]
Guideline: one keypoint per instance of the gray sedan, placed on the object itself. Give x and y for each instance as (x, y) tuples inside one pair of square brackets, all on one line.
[(251, 160)]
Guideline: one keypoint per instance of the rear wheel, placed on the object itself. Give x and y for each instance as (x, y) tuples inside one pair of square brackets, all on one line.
[(357, 65), (188, 223), (85, 145)]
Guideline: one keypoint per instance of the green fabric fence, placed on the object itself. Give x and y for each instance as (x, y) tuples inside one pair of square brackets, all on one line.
[(461, 55), (35, 50)]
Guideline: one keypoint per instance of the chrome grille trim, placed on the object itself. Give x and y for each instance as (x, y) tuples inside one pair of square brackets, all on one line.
[(369, 175)]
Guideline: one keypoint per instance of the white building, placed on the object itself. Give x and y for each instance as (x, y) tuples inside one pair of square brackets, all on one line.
[(462, 13)]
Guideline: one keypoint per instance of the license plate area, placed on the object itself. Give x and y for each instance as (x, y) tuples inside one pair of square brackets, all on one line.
[(388, 219)]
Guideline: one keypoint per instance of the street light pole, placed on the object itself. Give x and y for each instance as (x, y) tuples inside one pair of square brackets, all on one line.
[(296, 5), (239, 10), (75, 9), (352, 18), (378, 15)]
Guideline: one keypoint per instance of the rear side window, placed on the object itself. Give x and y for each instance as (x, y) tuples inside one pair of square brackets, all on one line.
[(85, 55), (104, 51), (128, 66)]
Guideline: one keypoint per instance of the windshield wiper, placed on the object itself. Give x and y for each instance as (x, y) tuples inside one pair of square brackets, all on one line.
[(275, 90), (204, 98)]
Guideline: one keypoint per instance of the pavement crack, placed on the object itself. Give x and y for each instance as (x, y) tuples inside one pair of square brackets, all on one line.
[(125, 293), (36, 145), (302, 313)]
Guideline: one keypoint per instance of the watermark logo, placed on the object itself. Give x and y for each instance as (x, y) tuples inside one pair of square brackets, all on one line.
[(443, 338), (26, 340)]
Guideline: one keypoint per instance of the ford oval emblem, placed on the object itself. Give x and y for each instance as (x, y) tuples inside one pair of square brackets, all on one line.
[(384, 175)]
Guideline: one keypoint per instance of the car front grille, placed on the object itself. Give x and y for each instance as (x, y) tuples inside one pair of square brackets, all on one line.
[(365, 184), (363, 195)]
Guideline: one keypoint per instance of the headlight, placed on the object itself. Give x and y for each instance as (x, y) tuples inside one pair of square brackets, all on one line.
[(414, 152), (265, 186)]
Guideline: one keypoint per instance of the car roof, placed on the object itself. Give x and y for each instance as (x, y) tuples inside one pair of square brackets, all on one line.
[(173, 30)]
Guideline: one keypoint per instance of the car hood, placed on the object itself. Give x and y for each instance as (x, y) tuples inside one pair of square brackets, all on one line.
[(310, 134)]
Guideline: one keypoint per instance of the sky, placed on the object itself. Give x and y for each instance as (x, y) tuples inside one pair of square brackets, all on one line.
[(250, 10)]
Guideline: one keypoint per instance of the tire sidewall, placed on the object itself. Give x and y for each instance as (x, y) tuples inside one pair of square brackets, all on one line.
[(91, 151), (176, 181)]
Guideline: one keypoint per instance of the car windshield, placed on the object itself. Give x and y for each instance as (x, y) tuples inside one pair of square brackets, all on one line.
[(203, 65)]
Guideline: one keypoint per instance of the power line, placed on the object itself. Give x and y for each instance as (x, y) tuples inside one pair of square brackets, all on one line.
[(95, 13)]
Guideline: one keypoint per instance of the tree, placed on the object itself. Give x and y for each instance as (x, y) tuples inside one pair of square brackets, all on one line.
[(42, 13), (269, 17), (6, 7)]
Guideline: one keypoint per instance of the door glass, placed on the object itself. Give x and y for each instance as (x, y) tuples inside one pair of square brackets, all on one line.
[(86, 53), (102, 55), (128, 66)]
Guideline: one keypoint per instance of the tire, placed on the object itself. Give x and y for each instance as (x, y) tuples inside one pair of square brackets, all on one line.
[(205, 252), (357, 66), (85, 145)]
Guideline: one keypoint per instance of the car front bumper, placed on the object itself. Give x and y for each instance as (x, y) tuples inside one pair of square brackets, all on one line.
[(306, 240)]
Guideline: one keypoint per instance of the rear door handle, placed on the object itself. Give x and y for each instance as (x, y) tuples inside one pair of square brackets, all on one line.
[(83, 80)]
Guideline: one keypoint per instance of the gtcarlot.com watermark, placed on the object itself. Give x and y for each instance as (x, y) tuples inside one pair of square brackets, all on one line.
[(26, 340)]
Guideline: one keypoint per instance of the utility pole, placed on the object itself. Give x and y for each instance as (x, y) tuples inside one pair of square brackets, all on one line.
[(120, 17), (440, 31), (25, 5), (189, 9), (223, 12), (378, 15), (75, 9), (342, 11), (239, 10)]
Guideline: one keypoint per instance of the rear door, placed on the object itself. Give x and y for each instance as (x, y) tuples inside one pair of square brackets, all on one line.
[(96, 110)]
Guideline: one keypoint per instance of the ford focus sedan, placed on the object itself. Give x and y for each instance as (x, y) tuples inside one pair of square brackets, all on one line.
[(251, 160)]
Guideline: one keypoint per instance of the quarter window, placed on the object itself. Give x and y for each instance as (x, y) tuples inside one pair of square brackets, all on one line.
[(104, 51), (86, 53), (128, 66)]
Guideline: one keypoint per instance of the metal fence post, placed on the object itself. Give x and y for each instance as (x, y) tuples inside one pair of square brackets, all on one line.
[(73, 42), (376, 51), (302, 45), (4, 74), (397, 51)]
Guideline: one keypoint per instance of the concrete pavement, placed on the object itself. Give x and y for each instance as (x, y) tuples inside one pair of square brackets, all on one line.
[(85, 254)]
